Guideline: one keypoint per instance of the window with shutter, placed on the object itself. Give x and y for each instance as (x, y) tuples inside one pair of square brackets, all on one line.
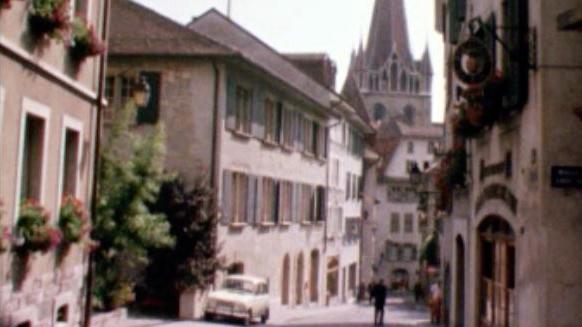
[(149, 114), (279, 122), (258, 114), (230, 119), (243, 109), (227, 197)]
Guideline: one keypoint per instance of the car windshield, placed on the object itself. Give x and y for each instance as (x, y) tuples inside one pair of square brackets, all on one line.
[(238, 285)]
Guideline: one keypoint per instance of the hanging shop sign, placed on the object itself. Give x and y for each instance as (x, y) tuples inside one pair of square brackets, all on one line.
[(566, 177), (473, 63)]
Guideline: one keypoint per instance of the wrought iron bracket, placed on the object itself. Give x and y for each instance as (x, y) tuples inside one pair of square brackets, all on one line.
[(476, 24)]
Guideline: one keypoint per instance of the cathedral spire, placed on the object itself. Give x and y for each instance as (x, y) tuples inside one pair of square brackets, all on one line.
[(389, 30), (426, 63)]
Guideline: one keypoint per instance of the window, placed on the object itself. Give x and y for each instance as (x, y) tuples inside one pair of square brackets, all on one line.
[(392, 252), (379, 111), (410, 147), (307, 203), (269, 210), (431, 147), (285, 201), (407, 253), (149, 113), (403, 82), (394, 77), (308, 144), (408, 223), (410, 164), (287, 129), (32, 158), (63, 313), (395, 223), (354, 187), (270, 120), (110, 89), (70, 173), (335, 172), (80, 8), (409, 114), (126, 89), (243, 106), (348, 186), (239, 207), (320, 203)]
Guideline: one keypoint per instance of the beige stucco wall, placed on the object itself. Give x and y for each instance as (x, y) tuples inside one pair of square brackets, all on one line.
[(48, 284)]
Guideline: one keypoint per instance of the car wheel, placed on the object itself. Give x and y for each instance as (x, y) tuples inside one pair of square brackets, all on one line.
[(208, 316), (265, 317)]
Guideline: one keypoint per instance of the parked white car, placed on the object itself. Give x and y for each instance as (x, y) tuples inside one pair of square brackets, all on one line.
[(241, 297)]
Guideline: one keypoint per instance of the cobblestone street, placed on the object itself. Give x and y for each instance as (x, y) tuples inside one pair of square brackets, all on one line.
[(400, 312)]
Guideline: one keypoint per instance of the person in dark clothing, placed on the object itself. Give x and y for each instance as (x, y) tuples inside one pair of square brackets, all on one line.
[(379, 293), (371, 291), (418, 293)]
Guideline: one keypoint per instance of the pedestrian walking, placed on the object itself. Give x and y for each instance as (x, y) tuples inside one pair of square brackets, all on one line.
[(435, 304), (417, 292), (379, 293), (371, 290)]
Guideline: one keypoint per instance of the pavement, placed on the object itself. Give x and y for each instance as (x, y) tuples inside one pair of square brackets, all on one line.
[(400, 312)]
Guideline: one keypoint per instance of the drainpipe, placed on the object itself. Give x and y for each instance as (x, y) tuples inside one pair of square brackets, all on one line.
[(96, 152), (215, 151)]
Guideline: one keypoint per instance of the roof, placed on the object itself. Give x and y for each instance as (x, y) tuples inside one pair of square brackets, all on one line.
[(352, 94), (388, 33), (317, 65), (220, 28), (160, 36)]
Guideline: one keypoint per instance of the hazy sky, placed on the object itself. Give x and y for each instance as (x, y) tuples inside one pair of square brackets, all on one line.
[(331, 26)]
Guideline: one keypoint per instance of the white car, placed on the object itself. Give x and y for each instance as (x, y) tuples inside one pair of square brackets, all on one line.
[(241, 297)]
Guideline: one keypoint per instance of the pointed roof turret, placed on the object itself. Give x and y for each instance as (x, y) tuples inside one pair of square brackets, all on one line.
[(388, 31), (426, 63)]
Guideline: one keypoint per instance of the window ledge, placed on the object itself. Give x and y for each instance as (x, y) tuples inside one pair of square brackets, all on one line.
[(285, 224), (306, 223), (267, 224), (269, 143), (287, 148), (241, 134), (237, 225)]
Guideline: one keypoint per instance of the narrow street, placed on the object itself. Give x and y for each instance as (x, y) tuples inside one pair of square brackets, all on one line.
[(399, 312)]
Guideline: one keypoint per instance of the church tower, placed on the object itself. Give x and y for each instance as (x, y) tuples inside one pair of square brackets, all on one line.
[(393, 84)]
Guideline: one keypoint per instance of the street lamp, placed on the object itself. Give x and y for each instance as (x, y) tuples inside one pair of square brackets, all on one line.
[(141, 92)]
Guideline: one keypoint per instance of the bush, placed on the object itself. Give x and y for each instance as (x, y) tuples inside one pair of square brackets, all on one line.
[(73, 221)]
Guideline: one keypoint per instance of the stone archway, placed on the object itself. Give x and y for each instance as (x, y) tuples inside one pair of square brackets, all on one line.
[(285, 279), (460, 283), (496, 251), (314, 277), (299, 280)]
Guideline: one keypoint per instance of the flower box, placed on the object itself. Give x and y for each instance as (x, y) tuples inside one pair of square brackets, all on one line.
[(49, 18), (73, 220), (84, 41), (33, 230)]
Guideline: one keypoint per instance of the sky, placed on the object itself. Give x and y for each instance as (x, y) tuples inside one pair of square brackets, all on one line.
[(335, 27)]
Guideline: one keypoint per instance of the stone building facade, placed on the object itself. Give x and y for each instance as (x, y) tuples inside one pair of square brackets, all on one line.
[(255, 122), (509, 243), (48, 108), (396, 90)]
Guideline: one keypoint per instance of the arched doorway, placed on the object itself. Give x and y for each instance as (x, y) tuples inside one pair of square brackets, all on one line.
[(497, 272), (314, 277), (299, 280), (285, 280), (460, 283)]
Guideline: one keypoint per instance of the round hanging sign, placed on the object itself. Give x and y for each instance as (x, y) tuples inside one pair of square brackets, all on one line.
[(472, 62)]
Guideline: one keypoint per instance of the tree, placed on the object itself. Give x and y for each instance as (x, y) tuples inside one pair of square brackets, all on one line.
[(131, 173), (191, 264)]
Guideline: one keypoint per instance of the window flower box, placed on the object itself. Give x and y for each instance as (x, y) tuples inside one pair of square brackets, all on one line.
[(84, 41), (49, 18), (5, 4), (33, 230), (73, 220)]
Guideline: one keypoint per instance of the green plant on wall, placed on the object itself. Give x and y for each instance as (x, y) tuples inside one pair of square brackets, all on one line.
[(49, 18), (131, 172)]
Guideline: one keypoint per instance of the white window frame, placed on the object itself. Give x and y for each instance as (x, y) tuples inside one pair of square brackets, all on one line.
[(33, 108), (69, 123)]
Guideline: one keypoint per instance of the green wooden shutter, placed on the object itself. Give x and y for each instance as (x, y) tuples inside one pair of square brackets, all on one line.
[(251, 199), (276, 200), (258, 127), (259, 200), (230, 118), (226, 197)]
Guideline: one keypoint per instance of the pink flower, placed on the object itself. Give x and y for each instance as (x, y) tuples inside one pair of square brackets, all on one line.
[(55, 236)]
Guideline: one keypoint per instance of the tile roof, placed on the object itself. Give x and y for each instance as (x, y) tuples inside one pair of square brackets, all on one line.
[(352, 94), (220, 28), (137, 30), (317, 65), (431, 131)]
